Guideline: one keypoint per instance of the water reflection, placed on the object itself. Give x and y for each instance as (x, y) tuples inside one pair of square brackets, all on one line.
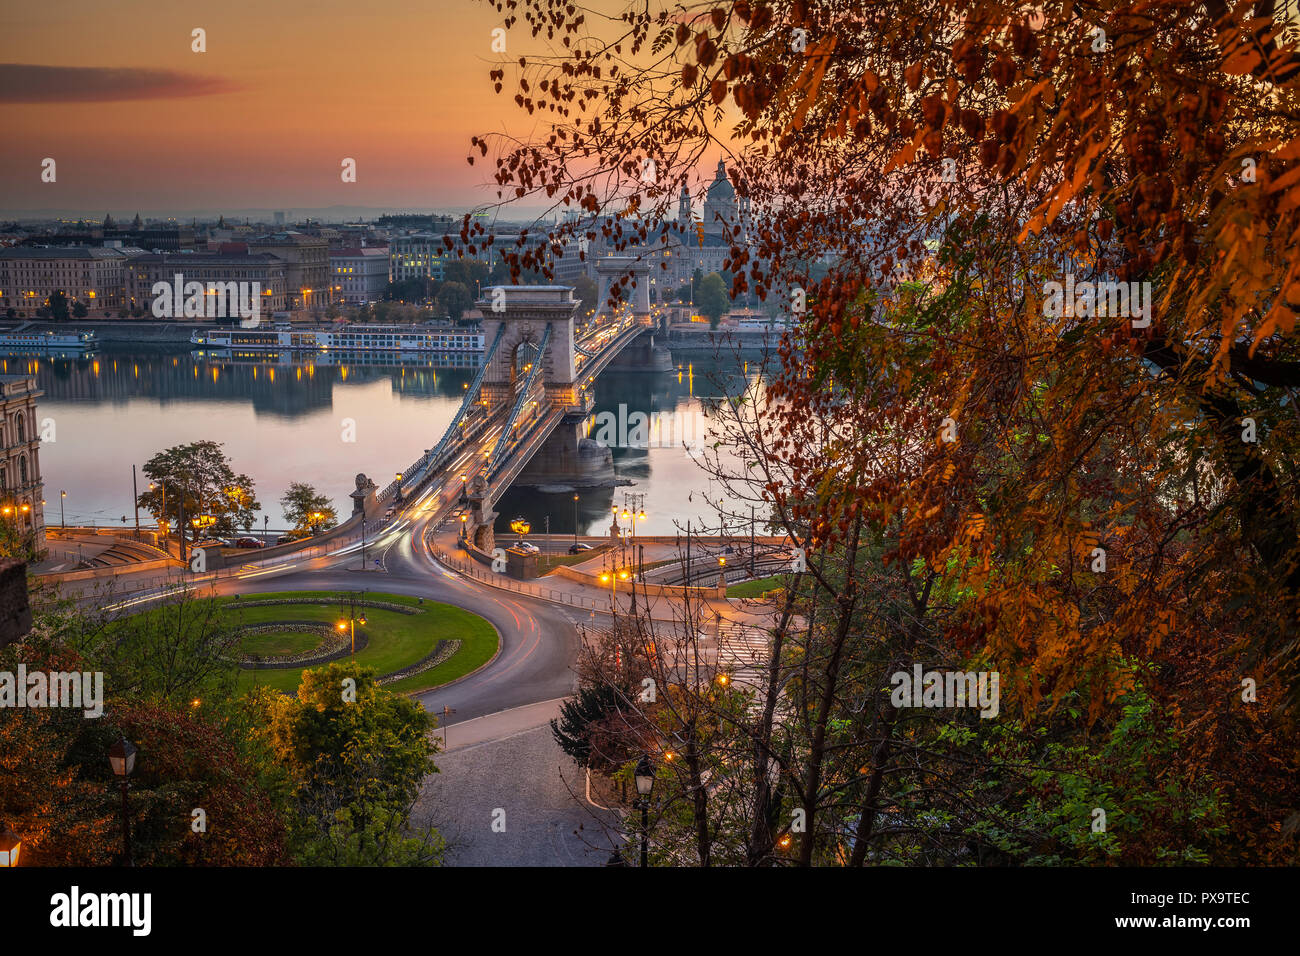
[(284, 418)]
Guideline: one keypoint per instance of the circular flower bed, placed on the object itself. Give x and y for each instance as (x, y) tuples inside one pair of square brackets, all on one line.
[(333, 644)]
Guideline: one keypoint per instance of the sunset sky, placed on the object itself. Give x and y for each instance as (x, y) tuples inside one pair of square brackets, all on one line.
[(285, 91)]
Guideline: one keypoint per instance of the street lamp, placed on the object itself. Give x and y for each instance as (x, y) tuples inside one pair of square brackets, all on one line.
[(575, 521), (352, 622), (62, 522), (163, 523), (10, 847), (521, 527), (645, 783), (121, 757)]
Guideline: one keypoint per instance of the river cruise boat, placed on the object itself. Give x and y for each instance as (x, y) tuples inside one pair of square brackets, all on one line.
[(30, 341), (347, 338)]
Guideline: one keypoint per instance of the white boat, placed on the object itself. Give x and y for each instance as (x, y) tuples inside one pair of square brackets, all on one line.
[(18, 341), (351, 338)]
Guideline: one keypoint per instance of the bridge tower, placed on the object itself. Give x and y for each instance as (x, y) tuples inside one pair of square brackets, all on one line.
[(643, 355), (537, 324)]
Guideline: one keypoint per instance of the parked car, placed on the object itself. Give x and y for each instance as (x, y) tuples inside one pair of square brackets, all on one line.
[(209, 543), (249, 543), (579, 547), (285, 539), (529, 548)]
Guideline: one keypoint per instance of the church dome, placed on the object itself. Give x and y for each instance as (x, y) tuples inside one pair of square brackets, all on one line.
[(721, 190)]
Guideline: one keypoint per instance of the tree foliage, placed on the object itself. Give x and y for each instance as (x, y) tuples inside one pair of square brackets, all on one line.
[(1099, 502), (197, 478)]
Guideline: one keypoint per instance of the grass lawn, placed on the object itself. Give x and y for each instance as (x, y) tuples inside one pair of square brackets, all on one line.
[(753, 589), (395, 640), (279, 643)]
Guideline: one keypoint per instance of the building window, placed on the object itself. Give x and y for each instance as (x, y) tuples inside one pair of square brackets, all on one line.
[(22, 469), (21, 431)]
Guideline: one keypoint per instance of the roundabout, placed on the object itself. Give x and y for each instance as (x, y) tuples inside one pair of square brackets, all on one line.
[(413, 644)]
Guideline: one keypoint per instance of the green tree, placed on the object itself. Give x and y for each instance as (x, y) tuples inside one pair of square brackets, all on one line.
[(57, 304), (712, 299), (79, 309), (579, 730), (341, 722), (307, 510), (454, 299), (356, 755), (198, 477), (468, 272)]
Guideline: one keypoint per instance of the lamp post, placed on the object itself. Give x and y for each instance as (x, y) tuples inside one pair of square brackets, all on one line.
[(163, 524), (645, 783), (10, 847), (121, 757), (62, 523), (352, 622), (575, 521)]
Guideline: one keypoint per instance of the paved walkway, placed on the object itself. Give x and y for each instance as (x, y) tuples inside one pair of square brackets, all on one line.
[(516, 800)]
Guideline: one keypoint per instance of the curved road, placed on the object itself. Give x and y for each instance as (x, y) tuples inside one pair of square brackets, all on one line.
[(539, 641)]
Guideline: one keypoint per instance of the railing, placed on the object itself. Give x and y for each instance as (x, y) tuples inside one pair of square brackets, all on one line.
[(417, 472), (145, 588), (506, 439), (497, 580)]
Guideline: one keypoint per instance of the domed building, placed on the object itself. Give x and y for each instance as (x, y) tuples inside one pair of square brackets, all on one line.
[(720, 205)]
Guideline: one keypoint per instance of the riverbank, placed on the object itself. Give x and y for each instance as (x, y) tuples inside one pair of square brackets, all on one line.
[(168, 335)]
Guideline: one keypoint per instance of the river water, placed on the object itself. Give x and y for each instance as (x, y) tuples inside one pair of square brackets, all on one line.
[(323, 424)]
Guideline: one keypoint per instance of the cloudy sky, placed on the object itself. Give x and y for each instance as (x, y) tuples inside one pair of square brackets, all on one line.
[(287, 88)]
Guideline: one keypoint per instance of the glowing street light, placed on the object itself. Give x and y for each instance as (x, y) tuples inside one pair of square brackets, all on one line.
[(10, 846)]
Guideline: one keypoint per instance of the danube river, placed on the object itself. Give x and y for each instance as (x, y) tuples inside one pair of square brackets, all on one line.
[(304, 420)]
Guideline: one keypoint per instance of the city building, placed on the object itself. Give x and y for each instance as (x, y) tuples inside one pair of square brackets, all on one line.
[(155, 236), (307, 266), (268, 270), (359, 274), (21, 495), (417, 256), (675, 250), (29, 275)]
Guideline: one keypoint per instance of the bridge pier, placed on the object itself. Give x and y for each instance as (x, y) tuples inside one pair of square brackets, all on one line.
[(568, 457), (648, 352)]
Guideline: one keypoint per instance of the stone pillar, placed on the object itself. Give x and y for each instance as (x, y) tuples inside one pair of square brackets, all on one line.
[(15, 612), (363, 498)]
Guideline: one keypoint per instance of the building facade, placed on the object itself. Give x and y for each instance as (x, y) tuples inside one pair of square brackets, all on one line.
[(417, 256), (21, 487), (267, 270), (360, 274), (307, 266), (29, 275)]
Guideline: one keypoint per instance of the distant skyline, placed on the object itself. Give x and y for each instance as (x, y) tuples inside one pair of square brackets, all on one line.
[(136, 121)]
